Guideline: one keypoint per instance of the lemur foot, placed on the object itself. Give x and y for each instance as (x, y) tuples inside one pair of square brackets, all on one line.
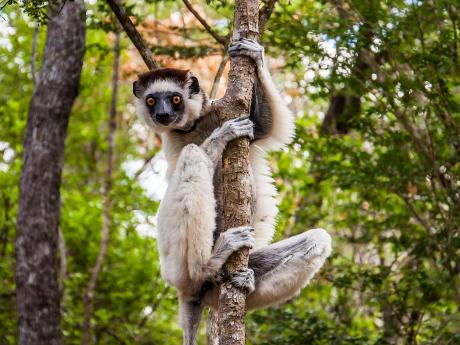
[(232, 129), (244, 280), (318, 243), (316, 247), (237, 238), (249, 48)]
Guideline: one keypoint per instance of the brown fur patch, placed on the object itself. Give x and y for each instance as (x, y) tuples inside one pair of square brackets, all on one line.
[(178, 75)]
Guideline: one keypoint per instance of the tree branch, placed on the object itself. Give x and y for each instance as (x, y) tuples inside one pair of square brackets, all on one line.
[(265, 14), (132, 33), (220, 71), (88, 297), (219, 38)]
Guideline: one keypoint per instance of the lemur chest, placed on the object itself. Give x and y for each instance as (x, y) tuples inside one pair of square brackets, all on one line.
[(203, 129)]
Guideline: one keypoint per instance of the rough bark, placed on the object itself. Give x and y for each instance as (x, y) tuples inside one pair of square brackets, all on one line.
[(37, 290), (88, 297), (237, 202), (132, 33)]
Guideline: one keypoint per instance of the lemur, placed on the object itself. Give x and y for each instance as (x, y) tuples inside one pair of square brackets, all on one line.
[(171, 102)]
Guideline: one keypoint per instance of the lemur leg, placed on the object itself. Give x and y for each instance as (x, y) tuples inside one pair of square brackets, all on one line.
[(189, 319), (186, 221), (282, 269)]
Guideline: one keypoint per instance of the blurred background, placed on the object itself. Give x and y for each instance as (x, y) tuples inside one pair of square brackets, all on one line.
[(375, 89)]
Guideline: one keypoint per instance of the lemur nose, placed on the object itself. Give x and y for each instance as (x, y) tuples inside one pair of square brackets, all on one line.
[(162, 118)]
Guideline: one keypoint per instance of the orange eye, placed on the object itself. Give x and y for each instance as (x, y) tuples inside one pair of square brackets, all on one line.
[(150, 101), (176, 99)]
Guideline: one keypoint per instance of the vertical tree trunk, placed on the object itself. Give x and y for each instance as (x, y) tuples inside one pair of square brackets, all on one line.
[(88, 297), (237, 203), (37, 290)]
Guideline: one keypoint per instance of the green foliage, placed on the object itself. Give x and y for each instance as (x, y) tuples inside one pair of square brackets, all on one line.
[(389, 187)]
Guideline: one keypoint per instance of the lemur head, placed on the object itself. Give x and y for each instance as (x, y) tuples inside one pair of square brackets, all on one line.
[(169, 98)]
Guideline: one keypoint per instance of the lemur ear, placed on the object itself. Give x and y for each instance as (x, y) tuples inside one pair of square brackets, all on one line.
[(137, 89), (194, 86)]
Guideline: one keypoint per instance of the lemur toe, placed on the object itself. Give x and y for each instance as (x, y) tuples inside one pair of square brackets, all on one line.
[(240, 237), (244, 280), (248, 48), (240, 127), (246, 43)]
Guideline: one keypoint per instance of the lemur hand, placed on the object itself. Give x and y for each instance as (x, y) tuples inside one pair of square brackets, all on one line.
[(215, 144), (249, 48), (236, 128)]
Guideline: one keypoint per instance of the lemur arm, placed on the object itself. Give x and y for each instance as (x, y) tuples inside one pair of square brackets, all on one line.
[(274, 122), (186, 219)]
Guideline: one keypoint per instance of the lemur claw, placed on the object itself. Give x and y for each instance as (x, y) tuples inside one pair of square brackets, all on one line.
[(239, 237), (237, 128), (244, 280), (249, 48)]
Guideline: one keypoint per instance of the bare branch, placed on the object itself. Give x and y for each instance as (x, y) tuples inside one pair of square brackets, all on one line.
[(147, 161), (219, 38), (265, 14), (154, 307), (220, 71), (132, 33), (88, 297)]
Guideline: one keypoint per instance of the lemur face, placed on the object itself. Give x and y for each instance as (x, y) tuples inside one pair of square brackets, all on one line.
[(168, 99), (165, 107)]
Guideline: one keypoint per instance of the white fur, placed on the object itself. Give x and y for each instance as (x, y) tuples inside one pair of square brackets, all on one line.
[(286, 281), (266, 205), (186, 220), (283, 120)]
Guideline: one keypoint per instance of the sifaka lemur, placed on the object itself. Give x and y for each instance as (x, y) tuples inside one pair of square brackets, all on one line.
[(171, 102)]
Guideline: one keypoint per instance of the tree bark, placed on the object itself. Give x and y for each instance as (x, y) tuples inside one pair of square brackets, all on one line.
[(237, 203), (37, 290), (88, 297)]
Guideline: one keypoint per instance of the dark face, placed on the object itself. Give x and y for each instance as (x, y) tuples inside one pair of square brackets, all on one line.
[(165, 107)]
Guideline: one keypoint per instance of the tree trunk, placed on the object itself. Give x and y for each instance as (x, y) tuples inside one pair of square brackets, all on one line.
[(237, 204), (37, 289), (88, 297)]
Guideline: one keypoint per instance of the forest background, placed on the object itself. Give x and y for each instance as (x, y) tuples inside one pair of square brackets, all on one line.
[(375, 89)]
